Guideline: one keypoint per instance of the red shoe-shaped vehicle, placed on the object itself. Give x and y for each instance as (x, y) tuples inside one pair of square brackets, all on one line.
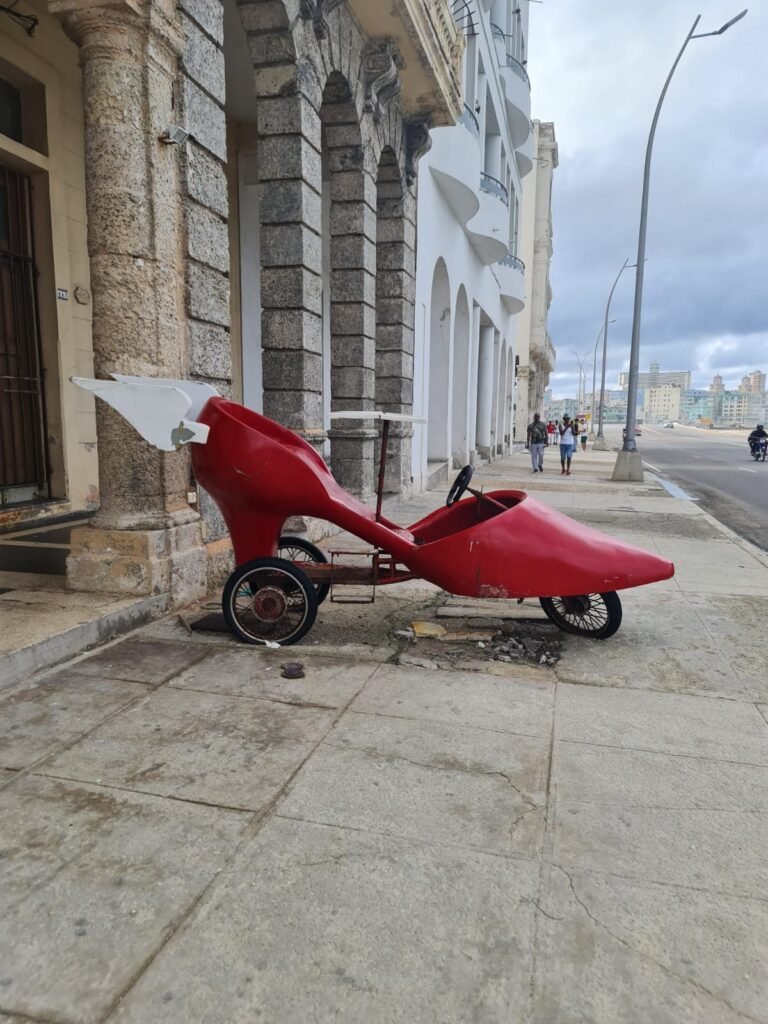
[(498, 544)]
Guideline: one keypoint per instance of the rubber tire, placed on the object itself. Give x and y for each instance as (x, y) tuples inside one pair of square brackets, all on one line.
[(290, 569), (316, 555), (612, 605)]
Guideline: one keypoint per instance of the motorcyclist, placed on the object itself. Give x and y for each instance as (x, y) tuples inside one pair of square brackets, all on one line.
[(756, 436)]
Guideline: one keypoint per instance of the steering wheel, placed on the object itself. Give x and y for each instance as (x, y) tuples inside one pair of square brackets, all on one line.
[(459, 485)]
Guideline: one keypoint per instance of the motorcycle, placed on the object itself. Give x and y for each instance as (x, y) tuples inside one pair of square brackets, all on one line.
[(758, 448)]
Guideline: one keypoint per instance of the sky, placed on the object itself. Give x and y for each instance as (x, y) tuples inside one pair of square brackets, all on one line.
[(597, 70)]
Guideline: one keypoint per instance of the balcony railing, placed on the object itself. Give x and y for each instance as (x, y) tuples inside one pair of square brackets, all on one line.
[(464, 17), (470, 122), (517, 67), (497, 32), (495, 187), (513, 261)]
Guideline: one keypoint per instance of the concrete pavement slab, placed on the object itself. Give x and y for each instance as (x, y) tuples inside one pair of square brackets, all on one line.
[(92, 882), (642, 660), (173, 629), (426, 780), (324, 924), (253, 673), (704, 849), (617, 951), (637, 778), (139, 660), (460, 698), (40, 719), (670, 723), (228, 751)]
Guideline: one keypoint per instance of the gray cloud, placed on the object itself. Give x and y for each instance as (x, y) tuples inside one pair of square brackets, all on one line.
[(597, 73)]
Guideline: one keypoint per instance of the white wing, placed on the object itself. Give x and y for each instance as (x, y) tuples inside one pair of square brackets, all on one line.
[(197, 391), (157, 410)]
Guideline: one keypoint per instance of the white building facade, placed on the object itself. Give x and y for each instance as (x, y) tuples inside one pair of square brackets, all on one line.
[(534, 348), (470, 281)]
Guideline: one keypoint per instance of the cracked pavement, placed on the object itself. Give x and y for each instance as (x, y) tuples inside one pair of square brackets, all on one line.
[(187, 836)]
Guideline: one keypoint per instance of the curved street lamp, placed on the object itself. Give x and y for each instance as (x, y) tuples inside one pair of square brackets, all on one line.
[(629, 465), (603, 327), (600, 443)]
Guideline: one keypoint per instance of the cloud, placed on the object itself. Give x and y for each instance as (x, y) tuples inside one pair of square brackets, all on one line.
[(598, 78)]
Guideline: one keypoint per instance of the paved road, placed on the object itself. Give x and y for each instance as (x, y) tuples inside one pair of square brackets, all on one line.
[(715, 467)]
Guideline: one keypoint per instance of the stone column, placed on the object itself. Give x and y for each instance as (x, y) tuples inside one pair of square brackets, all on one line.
[(395, 294), (145, 538), (524, 406), (353, 302), (485, 391)]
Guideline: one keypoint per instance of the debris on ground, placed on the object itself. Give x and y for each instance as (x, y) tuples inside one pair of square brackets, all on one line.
[(292, 670), (423, 628), (414, 662), (512, 641)]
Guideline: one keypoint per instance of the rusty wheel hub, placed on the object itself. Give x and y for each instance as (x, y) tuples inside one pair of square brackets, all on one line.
[(269, 604)]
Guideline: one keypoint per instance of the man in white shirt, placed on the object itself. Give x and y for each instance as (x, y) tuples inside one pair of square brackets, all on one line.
[(567, 441)]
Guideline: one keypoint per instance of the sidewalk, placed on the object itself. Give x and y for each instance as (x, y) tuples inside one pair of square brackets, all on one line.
[(189, 837)]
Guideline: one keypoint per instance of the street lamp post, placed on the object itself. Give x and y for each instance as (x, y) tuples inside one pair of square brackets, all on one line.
[(629, 465), (581, 395), (594, 381), (601, 444)]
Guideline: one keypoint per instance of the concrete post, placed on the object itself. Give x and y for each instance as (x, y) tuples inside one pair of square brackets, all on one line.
[(145, 538)]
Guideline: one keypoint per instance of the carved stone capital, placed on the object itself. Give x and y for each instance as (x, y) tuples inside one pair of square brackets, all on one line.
[(381, 78), (417, 143), (122, 29), (316, 11)]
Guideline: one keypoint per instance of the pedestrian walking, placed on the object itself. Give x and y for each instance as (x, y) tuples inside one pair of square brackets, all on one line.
[(567, 441), (536, 436), (584, 435), (550, 432)]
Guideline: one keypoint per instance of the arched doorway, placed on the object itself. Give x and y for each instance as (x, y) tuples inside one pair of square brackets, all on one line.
[(439, 367), (461, 382)]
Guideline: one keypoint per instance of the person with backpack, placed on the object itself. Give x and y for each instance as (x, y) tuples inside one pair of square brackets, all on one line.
[(537, 441)]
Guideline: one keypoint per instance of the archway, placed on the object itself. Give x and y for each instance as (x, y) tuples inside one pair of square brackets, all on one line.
[(439, 365), (461, 381)]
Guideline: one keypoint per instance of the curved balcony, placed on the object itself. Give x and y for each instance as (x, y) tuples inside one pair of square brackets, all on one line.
[(454, 161), (517, 88), (510, 272), (489, 229), (526, 154)]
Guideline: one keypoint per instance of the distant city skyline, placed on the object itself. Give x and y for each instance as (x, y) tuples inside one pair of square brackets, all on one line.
[(696, 381)]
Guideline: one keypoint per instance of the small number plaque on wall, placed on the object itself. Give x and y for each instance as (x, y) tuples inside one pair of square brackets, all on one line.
[(63, 294)]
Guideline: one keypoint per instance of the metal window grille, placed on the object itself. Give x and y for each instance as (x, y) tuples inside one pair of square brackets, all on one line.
[(23, 469)]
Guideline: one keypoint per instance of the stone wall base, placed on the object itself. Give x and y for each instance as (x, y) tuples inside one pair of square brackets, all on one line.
[(172, 561), (221, 563)]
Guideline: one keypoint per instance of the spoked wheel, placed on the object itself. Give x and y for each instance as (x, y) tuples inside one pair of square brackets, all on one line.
[(594, 615), (296, 549), (269, 599)]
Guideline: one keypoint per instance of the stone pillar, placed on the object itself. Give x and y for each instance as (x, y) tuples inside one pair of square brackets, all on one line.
[(353, 301), (395, 281), (485, 390), (522, 416), (291, 258), (145, 538)]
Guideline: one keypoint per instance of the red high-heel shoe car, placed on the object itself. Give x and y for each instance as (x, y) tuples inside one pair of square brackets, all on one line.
[(499, 544)]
